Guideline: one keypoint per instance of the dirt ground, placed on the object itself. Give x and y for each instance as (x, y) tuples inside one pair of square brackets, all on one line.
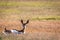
[(35, 30), (32, 26)]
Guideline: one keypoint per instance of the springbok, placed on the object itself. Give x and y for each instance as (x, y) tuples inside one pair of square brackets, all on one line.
[(14, 31), (20, 31)]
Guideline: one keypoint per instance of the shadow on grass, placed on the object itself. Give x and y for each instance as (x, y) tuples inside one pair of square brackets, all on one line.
[(0, 38)]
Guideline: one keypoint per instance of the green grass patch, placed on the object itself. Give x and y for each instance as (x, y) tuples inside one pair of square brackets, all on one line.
[(47, 18), (7, 11), (32, 4), (10, 6), (0, 38)]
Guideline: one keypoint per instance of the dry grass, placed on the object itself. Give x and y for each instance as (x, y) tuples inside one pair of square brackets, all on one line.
[(41, 30), (38, 36), (30, 10), (37, 13)]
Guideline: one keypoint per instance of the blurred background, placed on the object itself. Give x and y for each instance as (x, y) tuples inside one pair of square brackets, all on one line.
[(29, 9), (43, 15)]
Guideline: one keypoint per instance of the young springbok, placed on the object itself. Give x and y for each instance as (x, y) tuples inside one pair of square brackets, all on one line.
[(20, 31), (14, 31)]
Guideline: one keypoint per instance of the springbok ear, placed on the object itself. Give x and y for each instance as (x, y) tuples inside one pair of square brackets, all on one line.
[(21, 21), (27, 21)]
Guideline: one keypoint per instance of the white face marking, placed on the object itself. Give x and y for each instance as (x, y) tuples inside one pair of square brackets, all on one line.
[(24, 32), (25, 27)]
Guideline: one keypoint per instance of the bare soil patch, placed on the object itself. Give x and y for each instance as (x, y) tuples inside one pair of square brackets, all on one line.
[(33, 26)]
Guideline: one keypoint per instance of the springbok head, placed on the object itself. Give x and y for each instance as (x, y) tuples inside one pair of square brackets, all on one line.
[(24, 24)]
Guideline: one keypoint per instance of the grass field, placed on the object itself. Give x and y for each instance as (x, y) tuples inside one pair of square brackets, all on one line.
[(44, 19), (35, 30), (30, 10)]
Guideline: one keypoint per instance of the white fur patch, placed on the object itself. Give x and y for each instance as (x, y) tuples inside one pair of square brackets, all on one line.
[(24, 32), (14, 31)]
